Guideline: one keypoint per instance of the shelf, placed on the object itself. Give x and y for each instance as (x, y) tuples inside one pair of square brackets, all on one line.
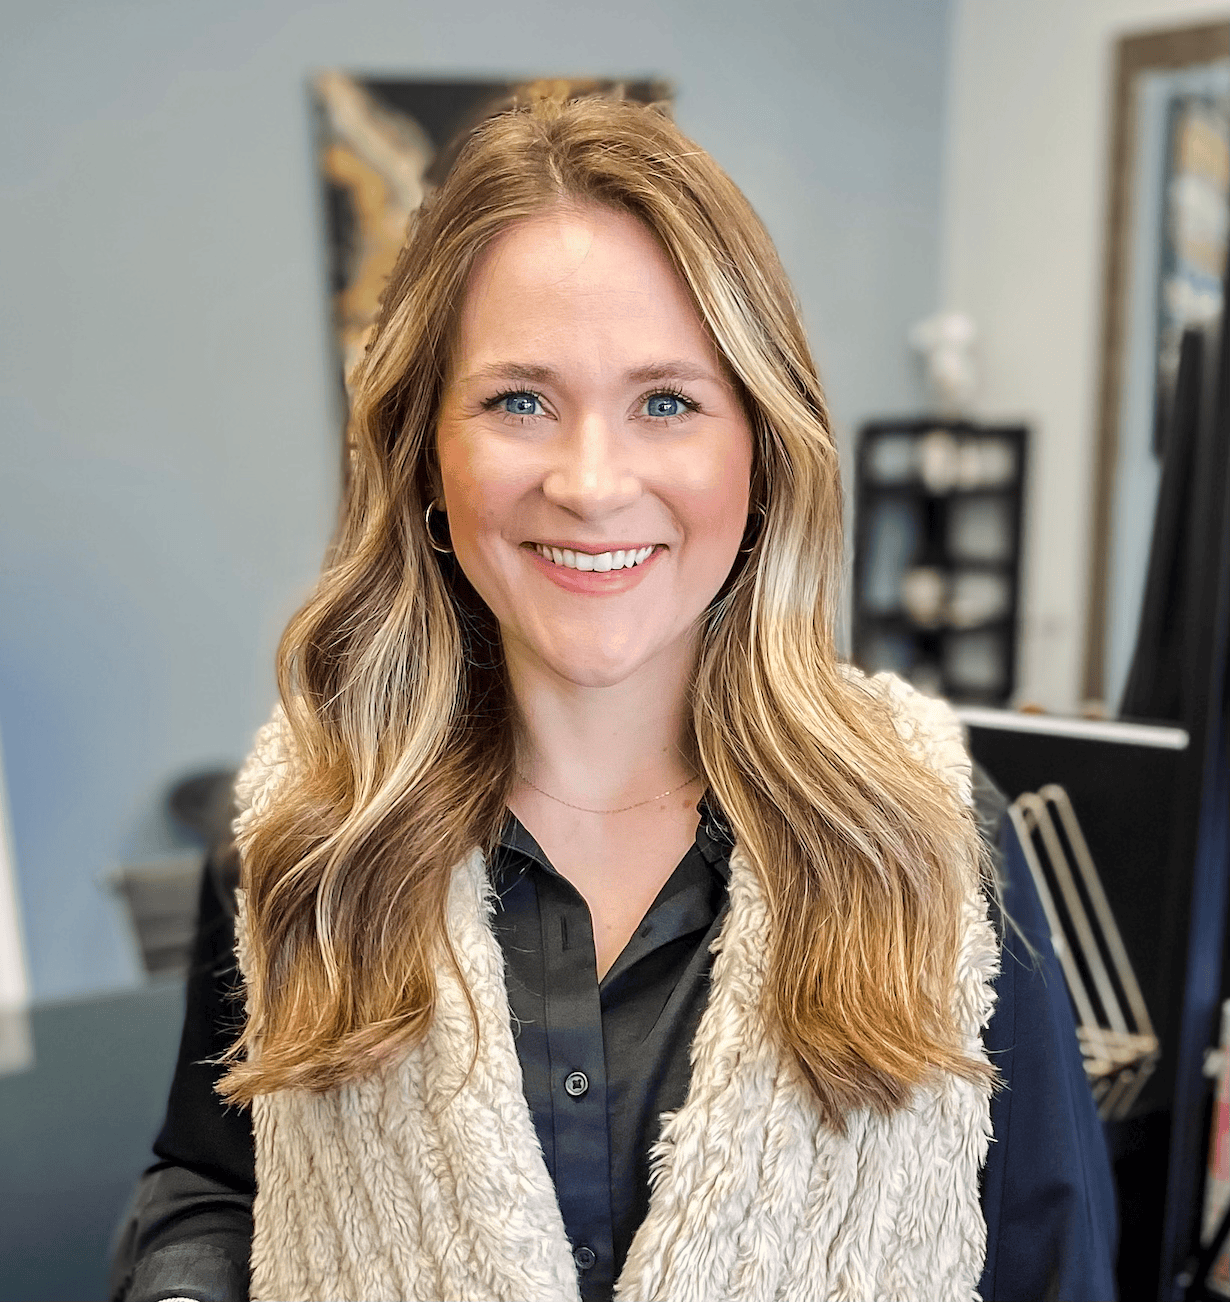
[(927, 544)]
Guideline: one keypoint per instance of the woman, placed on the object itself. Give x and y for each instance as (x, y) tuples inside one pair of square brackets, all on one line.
[(517, 1027)]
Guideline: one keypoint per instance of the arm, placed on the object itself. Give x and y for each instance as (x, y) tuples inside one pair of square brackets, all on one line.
[(1048, 1194), (188, 1229)]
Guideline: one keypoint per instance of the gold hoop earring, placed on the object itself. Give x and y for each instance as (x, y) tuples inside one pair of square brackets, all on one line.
[(751, 547), (431, 506)]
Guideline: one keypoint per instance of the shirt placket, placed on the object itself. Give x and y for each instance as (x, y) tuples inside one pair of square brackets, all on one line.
[(578, 1086)]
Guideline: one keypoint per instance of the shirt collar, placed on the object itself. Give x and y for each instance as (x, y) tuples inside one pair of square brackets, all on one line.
[(714, 837)]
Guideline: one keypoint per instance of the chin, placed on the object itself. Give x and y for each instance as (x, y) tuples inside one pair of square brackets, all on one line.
[(595, 666), (589, 674)]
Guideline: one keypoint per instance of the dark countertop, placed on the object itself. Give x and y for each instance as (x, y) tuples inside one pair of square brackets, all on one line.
[(75, 1132)]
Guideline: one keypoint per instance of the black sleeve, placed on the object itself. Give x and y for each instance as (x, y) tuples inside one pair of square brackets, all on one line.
[(188, 1229), (1047, 1192)]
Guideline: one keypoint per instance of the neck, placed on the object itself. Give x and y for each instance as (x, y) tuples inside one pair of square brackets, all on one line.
[(604, 746)]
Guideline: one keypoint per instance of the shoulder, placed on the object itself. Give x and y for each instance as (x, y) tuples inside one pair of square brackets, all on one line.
[(1048, 1190)]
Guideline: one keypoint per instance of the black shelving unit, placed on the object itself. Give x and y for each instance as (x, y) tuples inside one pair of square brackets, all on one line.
[(937, 555)]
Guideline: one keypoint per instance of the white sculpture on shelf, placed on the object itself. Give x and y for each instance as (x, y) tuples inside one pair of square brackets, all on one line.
[(946, 341)]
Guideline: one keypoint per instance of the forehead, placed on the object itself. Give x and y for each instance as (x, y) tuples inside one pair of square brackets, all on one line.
[(586, 280)]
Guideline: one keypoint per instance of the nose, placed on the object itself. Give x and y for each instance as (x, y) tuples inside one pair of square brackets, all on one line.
[(592, 474)]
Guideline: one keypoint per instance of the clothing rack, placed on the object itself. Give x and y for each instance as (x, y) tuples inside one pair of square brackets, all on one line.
[(1118, 1045)]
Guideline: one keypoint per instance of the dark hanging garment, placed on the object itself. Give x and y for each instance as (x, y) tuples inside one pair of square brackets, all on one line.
[(1157, 682)]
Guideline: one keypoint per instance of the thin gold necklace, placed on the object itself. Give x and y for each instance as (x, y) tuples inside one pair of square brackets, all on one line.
[(621, 810)]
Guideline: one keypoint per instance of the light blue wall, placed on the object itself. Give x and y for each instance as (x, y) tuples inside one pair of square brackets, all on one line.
[(168, 446)]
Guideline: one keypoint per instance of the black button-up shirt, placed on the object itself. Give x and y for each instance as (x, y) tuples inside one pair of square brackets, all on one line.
[(602, 1060)]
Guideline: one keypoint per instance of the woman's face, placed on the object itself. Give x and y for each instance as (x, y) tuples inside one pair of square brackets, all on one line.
[(595, 458)]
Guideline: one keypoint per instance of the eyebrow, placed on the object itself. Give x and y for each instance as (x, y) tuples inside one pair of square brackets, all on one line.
[(654, 373)]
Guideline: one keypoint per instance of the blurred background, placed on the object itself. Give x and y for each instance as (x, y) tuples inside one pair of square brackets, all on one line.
[(1002, 222)]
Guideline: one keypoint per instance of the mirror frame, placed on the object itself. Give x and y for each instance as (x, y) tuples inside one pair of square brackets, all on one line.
[(1134, 55)]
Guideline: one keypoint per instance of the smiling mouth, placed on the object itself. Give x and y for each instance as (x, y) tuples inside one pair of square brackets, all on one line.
[(599, 562)]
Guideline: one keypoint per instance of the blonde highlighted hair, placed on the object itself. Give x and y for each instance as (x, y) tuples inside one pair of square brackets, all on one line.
[(392, 680)]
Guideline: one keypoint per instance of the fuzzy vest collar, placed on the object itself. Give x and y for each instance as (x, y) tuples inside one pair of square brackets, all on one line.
[(411, 1185)]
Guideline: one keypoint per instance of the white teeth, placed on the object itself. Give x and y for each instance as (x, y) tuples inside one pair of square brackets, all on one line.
[(602, 562)]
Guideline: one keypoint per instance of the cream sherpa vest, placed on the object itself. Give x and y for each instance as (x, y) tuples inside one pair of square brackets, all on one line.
[(409, 1185)]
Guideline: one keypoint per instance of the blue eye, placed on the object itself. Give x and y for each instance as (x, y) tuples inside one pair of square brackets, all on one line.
[(664, 404), (519, 404), (667, 404)]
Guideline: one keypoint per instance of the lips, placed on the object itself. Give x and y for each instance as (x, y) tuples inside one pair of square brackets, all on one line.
[(593, 582)]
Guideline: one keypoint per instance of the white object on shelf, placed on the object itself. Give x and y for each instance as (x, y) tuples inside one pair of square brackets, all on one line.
[(945, 340)]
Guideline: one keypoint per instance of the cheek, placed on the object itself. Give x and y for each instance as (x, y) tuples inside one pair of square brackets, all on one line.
[(715, 494), (474, 518), (482, 496), (471, 489)]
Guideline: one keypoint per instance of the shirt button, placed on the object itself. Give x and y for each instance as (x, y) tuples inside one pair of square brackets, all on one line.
[(584, 1257), (576, 1083)]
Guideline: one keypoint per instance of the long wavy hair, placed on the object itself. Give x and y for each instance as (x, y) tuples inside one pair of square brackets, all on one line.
[(392, 678)]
